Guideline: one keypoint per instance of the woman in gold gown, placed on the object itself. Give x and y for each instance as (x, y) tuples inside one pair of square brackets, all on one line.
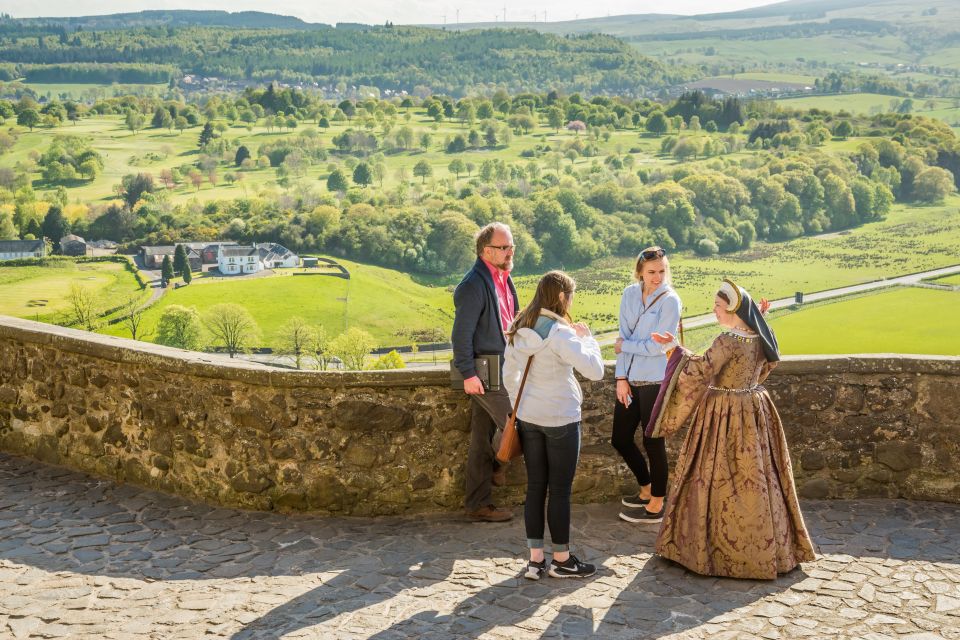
[(732, 509)]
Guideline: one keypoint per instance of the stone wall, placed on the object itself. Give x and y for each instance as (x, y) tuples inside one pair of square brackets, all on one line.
[(228, 432)]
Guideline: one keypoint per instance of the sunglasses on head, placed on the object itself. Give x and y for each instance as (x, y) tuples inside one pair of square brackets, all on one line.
[(653, 254)]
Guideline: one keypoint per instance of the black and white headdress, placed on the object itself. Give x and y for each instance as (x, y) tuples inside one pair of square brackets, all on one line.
[(747, 310)]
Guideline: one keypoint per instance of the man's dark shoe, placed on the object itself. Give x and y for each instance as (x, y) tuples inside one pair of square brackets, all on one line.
[(640, 514), (500, 476), (490, 513), (634, 501), (572, 568)]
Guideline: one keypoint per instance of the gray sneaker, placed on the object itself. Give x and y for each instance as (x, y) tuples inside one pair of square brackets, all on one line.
[(640, 514), (634, 501)]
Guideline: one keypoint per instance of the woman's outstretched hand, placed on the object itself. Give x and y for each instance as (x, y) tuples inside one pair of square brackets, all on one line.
[(764, 306), (663, 338)]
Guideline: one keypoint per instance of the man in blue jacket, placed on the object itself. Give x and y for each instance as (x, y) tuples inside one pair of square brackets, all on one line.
[(486, 304)]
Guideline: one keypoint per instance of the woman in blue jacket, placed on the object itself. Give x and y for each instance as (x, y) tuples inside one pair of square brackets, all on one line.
[(648, 306)]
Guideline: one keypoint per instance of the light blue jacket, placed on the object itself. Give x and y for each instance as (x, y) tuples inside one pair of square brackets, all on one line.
[(641, 359)]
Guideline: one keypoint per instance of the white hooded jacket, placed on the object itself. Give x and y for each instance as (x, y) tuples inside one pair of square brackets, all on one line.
[(552, 395)]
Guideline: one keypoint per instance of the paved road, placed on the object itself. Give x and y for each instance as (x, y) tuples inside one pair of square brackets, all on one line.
[(84, 558)]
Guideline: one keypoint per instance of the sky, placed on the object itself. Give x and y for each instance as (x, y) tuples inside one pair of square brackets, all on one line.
[(397, 11)]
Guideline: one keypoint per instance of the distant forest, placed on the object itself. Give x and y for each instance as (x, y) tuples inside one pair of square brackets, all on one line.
[(385, 57)]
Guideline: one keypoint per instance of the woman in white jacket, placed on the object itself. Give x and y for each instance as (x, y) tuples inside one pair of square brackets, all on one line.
[(548, 418)]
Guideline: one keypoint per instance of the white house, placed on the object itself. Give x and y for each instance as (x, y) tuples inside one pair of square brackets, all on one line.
[(16, 249), (275, 256), (237, 260)]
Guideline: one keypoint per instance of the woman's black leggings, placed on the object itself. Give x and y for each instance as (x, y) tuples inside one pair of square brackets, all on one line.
[(550, 455), (626, 421)]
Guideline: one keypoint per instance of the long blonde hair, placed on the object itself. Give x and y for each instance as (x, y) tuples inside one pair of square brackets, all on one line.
[(547, 296)]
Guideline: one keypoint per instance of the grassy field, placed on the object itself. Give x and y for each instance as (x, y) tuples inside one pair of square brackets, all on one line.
[(92, 92), (835, 50), (954, 280), (909, 240), (152, 150), (861, 324), (903, 320), (40, 293), (865, 103), (386, 303), (774, 76)]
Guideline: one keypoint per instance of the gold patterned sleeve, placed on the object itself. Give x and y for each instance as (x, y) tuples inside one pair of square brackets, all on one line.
[(687, 386), (765, 371)]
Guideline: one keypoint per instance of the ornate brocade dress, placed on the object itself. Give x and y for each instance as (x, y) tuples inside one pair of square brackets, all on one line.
[(732, 508)]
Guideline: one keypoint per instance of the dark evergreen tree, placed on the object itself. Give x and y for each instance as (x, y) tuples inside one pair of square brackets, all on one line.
[(242, 154), (206, 135), (55, 226), (180, 262), (362, 175), (166, 269)]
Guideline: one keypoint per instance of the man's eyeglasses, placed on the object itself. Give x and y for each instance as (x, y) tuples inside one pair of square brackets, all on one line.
[(503, 247), (653, 254)]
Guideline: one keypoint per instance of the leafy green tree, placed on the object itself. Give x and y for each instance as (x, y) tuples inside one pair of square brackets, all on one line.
[(391, 360), (348, 108), (657, 123), (422, 170), (297, 338), (187, 273), (843, 129), (457, 167), (319, 349), (555, 118), (933, 184), (180, 327), (134, 121), (232, 326), (352, 347), (337, 181), (362, 174), (133, 187), (7, 230), (28, 118)]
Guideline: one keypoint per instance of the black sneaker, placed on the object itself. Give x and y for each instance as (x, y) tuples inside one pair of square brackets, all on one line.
[(535, 570), (640, 514), (572, 568), (634, 500)]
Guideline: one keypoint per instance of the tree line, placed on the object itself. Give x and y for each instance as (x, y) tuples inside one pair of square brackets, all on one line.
[(564, 213), (386, 57)]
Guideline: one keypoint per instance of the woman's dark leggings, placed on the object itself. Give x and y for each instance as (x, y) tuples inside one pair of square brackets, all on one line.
[(626, 421), (550, 455)]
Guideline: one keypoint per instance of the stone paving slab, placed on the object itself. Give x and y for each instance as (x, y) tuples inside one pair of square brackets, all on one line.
[(86, 558)]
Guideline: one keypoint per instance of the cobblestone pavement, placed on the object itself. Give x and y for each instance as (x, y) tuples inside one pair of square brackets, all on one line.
[(85, 558)]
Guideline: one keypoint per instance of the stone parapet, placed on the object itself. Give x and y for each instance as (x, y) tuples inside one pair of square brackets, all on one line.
[(241, 434)]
